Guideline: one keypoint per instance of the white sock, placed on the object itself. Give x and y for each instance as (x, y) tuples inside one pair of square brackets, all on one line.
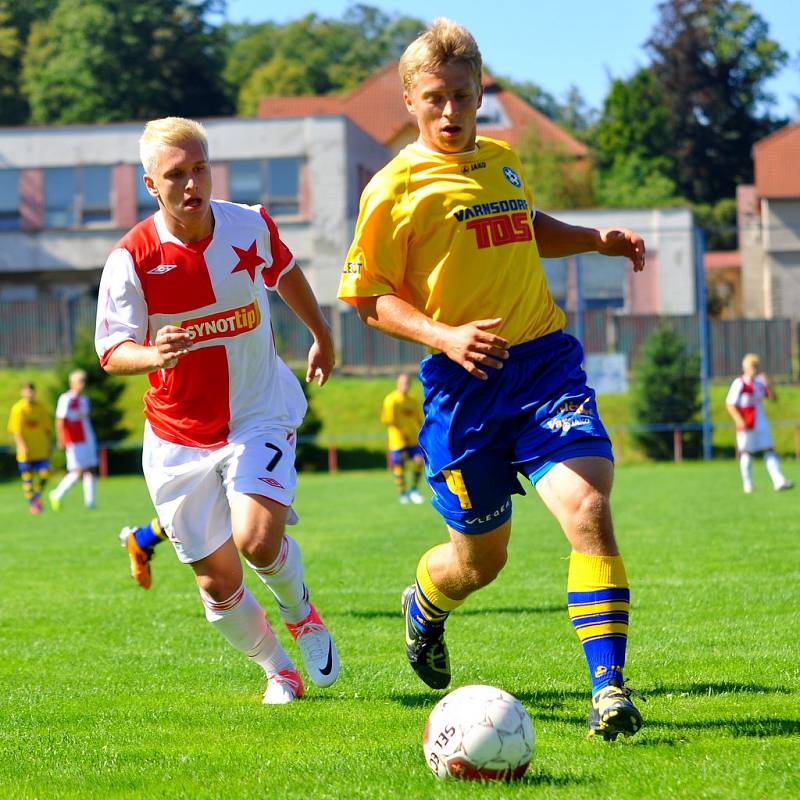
[(745, 466), (773, 465), (241, 620), (284, 578), (88, 489), (66, 483)]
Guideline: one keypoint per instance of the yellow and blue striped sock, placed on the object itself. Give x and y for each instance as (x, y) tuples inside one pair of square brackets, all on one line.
[(598, 597), (149, 535), (399, 474), (429, 606)]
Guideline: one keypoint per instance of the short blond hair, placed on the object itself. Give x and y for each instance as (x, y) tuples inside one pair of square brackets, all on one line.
[(444, 42), (751, 360), (168, 131), (77, 375)]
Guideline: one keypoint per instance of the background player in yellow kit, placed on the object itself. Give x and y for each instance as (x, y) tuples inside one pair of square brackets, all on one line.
[(446, 253), (402, 415), (29, 423)]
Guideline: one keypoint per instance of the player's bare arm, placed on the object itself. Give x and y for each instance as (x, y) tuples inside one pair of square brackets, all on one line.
[(297, 294), (22, 448), (472, 345), (558, 239), (130, 358)]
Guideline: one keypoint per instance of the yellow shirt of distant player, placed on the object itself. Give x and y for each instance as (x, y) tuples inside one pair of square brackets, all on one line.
[(453, 235), (402, 415), (33, 422)]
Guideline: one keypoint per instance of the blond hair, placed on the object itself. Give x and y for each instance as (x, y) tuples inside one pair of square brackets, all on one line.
[(751, 360), (444, 42), (168, 131), (77, 375)]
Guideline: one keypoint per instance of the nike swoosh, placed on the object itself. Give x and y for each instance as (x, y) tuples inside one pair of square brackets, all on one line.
[(329, 664)]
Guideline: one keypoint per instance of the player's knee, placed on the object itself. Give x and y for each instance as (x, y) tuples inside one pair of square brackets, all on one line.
[(480, 572), (217, 587)]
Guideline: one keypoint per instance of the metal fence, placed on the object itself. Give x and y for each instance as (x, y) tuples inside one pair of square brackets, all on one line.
[(44, 331)]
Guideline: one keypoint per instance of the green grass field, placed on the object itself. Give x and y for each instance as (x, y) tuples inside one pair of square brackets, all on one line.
[(349, 408), (110, 691)]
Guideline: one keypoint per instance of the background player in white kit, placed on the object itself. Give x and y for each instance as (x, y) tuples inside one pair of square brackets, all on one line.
[(745, 403), (183, 298), (75, 434)]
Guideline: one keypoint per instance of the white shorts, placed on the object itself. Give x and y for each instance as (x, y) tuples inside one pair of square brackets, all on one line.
[(192, 488), (755, 440), (81, 456)]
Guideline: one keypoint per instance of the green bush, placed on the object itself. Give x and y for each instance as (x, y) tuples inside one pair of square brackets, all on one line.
[(665, 391)]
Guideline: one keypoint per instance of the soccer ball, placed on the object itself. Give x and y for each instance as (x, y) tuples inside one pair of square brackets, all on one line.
[(479, 733)]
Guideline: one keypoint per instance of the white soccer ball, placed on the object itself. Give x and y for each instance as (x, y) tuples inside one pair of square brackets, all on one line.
[(479, 733)]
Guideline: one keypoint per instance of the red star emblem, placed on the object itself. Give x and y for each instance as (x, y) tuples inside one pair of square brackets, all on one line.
[(248, 260)]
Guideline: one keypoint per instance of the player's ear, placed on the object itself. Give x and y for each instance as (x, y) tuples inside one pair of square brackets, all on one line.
[(409, 103), (150, 185), (480, 96)]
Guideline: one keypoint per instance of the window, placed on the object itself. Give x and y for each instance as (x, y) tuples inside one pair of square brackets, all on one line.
[(75, 196), (146, 204), (9, 200), (275, 184), (60, 188)]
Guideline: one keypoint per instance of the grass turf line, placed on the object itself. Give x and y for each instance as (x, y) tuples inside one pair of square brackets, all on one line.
[(110, 691)]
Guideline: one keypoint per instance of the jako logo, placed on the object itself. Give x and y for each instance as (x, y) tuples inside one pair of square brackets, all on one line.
[(224, 323)]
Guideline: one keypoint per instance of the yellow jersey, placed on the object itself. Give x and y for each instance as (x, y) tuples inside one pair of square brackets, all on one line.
[(32, 421), (402, 415), (452, 234)]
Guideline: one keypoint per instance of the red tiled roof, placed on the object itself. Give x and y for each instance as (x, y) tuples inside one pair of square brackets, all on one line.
[(722, 259), (376, 106), (777, 160)]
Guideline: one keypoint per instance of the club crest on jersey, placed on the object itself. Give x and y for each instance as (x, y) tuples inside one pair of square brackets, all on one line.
[(223, 324), (161, 269), (512, 177)]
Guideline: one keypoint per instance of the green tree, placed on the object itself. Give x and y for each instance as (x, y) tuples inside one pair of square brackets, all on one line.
[(103, 390), (313, 55), (105, 60), (634, 122), (718, 221), (712, 59), (16, 19), (633, 182), (556, 179), (666, 390)]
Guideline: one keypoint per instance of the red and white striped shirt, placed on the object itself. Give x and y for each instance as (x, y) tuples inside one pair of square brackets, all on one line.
[(232, 381)]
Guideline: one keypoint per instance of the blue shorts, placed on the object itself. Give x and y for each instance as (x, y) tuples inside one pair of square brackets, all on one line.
[(39, 465), (532, 414), (399, 457)]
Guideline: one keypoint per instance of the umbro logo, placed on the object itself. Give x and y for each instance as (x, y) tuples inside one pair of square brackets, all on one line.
[(161, 269)]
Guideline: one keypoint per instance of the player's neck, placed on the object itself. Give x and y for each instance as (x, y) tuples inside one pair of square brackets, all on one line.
[(471, 147), (188, 232)]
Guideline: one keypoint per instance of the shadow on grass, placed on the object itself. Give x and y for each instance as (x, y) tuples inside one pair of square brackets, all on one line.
[(462, 612), (760, 727), (542, 778), (711, 689)]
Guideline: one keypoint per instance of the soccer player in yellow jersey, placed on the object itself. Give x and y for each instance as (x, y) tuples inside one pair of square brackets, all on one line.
[(447, 253), (29, 423), (402, 415)]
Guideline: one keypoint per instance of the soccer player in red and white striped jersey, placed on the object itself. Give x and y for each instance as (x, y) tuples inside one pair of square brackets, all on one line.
[(75, 434), (745, 404), (183, 298)]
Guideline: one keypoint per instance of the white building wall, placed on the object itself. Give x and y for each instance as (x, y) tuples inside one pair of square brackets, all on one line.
[(668, 235)]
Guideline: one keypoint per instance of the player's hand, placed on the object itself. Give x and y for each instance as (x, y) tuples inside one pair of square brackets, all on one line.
[(171, 343), (321, 360), (622, 242), (474, 346)]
